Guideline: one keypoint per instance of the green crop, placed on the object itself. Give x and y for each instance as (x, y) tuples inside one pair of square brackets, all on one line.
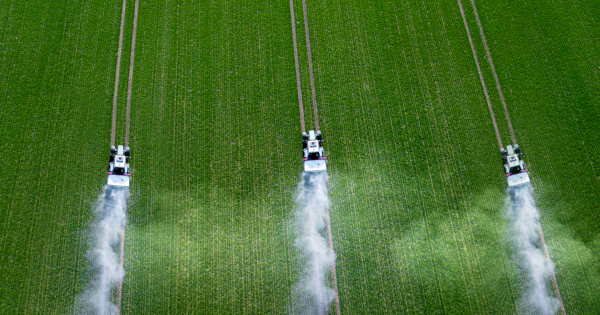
[(416, 183)]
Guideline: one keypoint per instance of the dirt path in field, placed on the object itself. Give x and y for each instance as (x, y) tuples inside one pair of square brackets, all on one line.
[(491, 62), (120, 285), (114, 111), (485, 91), (554, 282), (310, 66), (298, 85), (135, 18), (333, 271)]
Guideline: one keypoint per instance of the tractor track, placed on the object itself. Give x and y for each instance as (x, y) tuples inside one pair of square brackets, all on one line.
[(127, 124), (485, 90), (112, 139), (554, 282), (130, 82), (302, 122), (116, 91), (121, 251), (491, 62), (333, 271), (310, 66), (298, 84), (510, 127), (128, 111)]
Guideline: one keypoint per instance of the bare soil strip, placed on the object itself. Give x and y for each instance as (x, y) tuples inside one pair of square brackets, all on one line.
[(135, 18), (310, 65), (485, 91), (120, 285), (491, 62), (114, 111), (297, 66), (335, 287), (554, 282)]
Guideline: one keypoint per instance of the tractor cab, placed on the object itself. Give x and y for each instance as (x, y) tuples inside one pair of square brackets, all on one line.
[(314, 157), (118, 166), (514, 166)]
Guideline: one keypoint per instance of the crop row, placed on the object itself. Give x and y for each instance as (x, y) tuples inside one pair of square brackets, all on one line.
[(416, 187)]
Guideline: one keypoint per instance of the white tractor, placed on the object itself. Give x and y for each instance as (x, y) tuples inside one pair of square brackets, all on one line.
[(514, 166), (314, 157), (118, 166)]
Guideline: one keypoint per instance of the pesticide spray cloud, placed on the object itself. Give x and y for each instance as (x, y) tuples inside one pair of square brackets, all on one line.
[(524, 218), (103, 253), (311, 294)]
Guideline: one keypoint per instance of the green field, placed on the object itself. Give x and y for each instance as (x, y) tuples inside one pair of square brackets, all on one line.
[(416, 184)]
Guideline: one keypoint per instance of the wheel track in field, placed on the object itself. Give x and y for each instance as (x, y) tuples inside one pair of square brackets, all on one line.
[(553, 277), (485, 90), (512, 133), (302, 122), (310, 65), (116, 91), (333, 270), (491, 62), (112, 140), (298, 84), (135, 18), (128, 110)]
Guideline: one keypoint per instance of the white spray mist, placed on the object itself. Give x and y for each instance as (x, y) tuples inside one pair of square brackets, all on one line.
[(311, 294), (524, 217), (103, 253)]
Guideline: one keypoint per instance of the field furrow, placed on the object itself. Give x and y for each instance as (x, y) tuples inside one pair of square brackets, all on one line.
[(415, 181)]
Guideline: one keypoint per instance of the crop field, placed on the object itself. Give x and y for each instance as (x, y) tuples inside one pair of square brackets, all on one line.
[(415, 177)]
